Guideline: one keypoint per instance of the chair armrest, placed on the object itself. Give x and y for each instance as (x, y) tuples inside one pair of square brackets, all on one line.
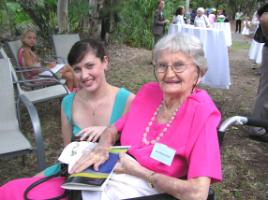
[(239, 120), (36, 130), (29, 69), (256, 122), (37, 83), (37, 79), (30, 82)]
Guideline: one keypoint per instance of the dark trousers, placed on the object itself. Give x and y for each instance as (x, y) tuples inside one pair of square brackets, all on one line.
[(261, 104), (238, 26)]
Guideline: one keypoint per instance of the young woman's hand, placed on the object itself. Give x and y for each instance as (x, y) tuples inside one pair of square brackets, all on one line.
[(91, 134)]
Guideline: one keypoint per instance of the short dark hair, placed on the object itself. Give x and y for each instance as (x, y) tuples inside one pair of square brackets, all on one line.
[(82, 47)]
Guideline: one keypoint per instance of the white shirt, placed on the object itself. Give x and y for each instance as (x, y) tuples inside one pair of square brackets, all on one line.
[(178, 19), (201, 21)]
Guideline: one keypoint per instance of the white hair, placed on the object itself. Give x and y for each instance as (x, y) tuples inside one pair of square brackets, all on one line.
[(183, 43), (201, 9)]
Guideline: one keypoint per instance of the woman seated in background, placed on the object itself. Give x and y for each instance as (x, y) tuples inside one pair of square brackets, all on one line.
[(201, 20), (27, 57), (178, 18), (172, 130), (84, 114)]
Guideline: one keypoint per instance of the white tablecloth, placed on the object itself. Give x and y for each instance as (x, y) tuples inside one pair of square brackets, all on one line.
[(216, 52), (226, 28), (255, 51)]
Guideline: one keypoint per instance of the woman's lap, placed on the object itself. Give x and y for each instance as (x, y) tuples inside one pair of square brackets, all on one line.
[(14, 189), (121, 186)]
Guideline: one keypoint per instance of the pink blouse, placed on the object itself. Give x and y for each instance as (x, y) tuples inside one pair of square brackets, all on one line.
[(193, 134)]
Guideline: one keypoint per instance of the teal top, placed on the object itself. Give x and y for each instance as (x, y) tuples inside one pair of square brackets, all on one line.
[(118, 108), (67, 104)]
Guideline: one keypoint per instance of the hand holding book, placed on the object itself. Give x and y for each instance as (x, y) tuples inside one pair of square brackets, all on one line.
[(94, 158), (90, 178)]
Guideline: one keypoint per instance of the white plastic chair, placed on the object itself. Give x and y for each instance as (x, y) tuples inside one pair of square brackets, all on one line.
[(12, 140), (63, 44), (38, 94)]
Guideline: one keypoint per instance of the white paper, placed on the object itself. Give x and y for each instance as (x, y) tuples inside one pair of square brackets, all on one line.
[(73, 151), (54, 69)]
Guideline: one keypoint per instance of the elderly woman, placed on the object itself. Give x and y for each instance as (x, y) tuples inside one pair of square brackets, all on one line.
[(172, 130), (201, 20)]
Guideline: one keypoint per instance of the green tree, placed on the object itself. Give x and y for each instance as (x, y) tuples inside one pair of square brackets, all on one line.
[(43, 14), (136, 18)]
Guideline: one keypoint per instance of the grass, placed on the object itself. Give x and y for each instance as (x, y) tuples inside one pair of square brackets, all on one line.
[(238, 45)]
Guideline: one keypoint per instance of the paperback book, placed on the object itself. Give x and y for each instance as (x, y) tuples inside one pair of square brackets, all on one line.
[(89, 179), (54, 69)]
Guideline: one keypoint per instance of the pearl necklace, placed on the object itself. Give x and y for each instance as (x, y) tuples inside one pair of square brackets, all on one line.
[(164, 130)]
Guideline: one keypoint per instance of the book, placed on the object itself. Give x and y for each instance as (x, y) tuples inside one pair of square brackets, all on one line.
[(54, 69), (89, 179)]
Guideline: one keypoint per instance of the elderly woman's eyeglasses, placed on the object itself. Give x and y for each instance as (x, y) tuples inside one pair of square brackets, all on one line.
[(177, 67)]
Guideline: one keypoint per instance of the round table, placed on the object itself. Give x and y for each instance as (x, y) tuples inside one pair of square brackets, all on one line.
[(226, 28)]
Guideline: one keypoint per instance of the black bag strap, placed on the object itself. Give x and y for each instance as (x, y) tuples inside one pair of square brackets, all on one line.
[(62, 172)]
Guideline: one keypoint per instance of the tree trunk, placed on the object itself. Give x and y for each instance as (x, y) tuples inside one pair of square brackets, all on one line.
[(94, 17), (62, 13), (187, 4), (40, 17)]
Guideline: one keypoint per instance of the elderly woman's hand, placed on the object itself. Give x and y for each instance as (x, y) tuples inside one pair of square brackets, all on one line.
[(127, 165), (91, 158), (91, 134)]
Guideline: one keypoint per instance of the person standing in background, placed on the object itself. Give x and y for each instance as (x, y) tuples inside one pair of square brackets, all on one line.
[(178, 18), (201, 20), (238, 20), (212, 16), (246, 26), (255, 21), (159, 21), (260, 110)]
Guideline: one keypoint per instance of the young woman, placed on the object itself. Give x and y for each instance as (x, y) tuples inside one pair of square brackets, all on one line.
[(84, 114), (27, 57), (87, 113), (178, 18)]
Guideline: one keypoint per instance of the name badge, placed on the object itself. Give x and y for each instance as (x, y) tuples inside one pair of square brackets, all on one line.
[(163, 153)]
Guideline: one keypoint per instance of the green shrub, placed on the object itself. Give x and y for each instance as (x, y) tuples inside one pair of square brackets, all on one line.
[(136, 19)]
